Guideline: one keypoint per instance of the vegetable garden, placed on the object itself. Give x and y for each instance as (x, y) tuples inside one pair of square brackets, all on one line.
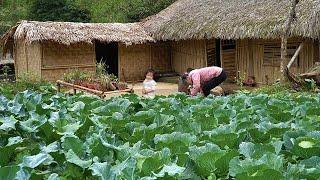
[(243, 136)]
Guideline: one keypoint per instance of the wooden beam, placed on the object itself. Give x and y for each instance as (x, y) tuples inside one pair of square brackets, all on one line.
[(296, 54), (68, 67), (119, 91), (73, 86), (92, 91)]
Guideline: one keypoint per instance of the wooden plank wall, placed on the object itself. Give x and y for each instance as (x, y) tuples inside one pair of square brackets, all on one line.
[(251, 59), (188, 53)]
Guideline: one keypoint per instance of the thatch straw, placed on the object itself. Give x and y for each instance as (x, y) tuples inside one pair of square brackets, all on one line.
[(7, 41), (68, 33), (233, 19)]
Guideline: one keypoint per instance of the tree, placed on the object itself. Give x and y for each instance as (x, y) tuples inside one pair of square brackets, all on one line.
[(12, 11), (139, 9), (284, 40), (58, 10), (122, 10)]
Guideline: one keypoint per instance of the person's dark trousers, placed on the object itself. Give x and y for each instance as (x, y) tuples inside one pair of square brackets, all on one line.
[(214, 82)]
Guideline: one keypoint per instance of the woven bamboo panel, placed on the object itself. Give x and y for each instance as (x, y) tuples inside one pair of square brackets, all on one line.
[(256, 56), (188, 54), (161, 57), (272, 52), (27, 59), (134, 62), (302, 64), (56, 74), (34, 57), (55, 54), (260, 58), (21, 66)]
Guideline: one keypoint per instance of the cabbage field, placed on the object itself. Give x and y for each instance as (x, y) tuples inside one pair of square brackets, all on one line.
[(243, 136)]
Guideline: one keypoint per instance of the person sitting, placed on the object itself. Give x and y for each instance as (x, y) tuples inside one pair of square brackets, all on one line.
[(205, 79)]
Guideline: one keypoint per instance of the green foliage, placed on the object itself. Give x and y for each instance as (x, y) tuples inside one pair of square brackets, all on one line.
[(123, 10), (103, 11), (76, 76), (253, 136), (98, 11), (140, 9), (311, 85), (27, 81), (12, 11), (58, 10), (275, 88)]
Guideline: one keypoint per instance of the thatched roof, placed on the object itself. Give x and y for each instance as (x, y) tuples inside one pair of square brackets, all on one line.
[(69, 33), (233, 19)]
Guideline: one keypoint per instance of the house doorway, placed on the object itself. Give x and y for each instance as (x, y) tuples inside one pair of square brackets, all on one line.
[(228, 58), (108, 54), (213, 52)]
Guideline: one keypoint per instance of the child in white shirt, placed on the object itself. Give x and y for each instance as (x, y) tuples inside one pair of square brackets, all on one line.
[(149, 85)]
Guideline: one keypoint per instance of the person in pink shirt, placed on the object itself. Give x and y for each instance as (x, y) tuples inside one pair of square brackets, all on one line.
[(204, 79)]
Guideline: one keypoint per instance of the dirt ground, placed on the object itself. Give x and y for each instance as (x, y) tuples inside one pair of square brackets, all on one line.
[(164, 89)]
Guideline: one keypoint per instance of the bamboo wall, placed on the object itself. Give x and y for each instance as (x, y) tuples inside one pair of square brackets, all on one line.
[(34, 59), (58, 59), (189, 53), (228, 57), (20, 59), (251, 58), (161, 57), (27, 59), (135, 60)]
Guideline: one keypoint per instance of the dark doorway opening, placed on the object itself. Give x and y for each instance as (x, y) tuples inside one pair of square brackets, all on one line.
[(218, 53), (108, 54), (213, 47)]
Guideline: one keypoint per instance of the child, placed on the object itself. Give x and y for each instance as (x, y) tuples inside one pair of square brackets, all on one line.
[(149, 85)]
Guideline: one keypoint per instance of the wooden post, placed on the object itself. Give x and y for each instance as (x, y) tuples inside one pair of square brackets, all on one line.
[(284, 53)]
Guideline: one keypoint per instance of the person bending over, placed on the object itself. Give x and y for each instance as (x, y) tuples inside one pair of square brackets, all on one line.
[(204, 79)]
